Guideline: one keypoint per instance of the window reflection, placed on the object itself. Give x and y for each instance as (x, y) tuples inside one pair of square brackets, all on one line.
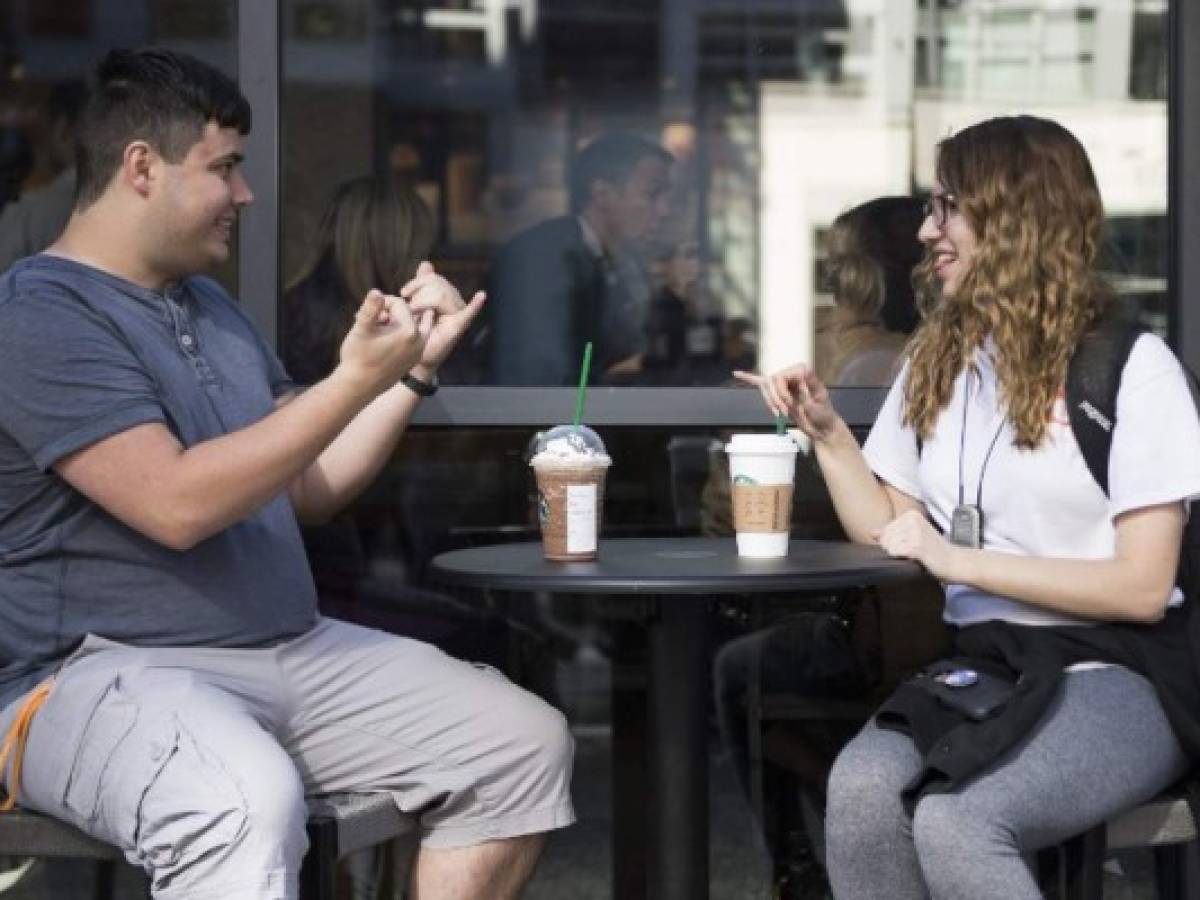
[(47, 50), (777, 119)]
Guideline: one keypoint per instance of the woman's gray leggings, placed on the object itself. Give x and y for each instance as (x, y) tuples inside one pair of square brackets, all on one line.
[(1103, 746)]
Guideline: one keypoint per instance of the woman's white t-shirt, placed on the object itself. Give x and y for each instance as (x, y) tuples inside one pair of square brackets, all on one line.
[(1043, 502)]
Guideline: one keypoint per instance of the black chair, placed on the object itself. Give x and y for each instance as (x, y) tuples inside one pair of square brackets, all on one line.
[(1075, 869), (337, 826)]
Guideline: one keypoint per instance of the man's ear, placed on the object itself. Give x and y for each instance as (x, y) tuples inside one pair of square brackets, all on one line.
[(139, 166)]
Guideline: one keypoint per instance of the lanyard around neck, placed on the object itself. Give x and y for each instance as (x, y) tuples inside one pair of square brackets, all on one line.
[(962, 445)]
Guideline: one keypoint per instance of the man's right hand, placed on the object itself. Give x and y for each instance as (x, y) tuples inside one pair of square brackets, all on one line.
[(797, 393), (384, 343)]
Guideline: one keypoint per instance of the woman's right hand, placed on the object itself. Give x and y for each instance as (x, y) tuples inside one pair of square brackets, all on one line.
[(797, 393)]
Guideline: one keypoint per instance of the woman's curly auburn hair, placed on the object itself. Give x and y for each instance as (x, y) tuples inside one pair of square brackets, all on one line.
[(1027, 190)]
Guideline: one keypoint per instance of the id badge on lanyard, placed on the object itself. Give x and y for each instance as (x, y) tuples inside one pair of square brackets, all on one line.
[(966, 526), (966, 520)]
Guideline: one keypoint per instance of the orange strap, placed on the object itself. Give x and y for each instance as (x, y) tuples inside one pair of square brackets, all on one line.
[(14, 741)]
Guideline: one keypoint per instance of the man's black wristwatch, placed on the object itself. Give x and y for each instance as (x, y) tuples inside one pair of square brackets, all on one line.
[(419, 387)]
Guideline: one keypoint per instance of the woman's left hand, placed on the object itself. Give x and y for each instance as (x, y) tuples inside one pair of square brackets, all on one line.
[(434, 301), (911, 536)]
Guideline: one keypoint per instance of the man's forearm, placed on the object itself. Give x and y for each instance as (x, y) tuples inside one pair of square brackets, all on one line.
[(356, 456)]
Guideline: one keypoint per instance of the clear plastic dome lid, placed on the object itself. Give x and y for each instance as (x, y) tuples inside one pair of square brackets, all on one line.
[(568, 443)]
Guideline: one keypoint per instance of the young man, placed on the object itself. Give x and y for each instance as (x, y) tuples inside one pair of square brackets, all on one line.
[(572, 279), (153, 464)]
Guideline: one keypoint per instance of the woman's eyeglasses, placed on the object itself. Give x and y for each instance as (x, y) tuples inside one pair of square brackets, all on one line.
[(941, 207)]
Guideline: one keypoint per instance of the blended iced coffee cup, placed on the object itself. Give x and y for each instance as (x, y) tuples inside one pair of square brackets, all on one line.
[(570, 464), (762, 469)]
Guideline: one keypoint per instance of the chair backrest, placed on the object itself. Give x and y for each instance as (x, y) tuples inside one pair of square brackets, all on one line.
[(689, 457)]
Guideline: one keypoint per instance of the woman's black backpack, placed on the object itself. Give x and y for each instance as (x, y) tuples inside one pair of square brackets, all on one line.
[(1093, 378)]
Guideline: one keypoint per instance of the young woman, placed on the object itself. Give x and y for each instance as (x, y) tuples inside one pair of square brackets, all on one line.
[(975, 431)]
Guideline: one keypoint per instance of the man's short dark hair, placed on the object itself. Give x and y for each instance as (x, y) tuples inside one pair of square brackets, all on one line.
[(611, 158), (158, 96), (65, 100)]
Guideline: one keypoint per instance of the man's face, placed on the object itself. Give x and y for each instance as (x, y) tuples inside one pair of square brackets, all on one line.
[(635, 208), (197, 204)]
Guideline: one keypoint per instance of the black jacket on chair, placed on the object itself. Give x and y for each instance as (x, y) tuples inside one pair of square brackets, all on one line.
[(956, 748)]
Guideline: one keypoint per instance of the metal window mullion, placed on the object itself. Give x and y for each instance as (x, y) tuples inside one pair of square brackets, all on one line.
[(259, 74), (1183, 207)]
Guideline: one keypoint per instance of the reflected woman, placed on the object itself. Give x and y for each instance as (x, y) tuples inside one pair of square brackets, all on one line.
[(373, 234), (871, 250)]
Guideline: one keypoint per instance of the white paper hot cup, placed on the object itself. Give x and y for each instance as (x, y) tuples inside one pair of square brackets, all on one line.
[(762, 471)]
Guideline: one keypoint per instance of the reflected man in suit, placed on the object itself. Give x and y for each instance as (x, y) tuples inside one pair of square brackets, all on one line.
[(573, 278)]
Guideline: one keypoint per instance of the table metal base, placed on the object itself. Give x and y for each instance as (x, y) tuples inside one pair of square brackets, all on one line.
[(678, 706)]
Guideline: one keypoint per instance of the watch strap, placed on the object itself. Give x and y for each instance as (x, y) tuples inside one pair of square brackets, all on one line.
[(419, 387)]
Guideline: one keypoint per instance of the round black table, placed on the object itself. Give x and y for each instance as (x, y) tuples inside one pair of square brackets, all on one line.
[(680, 574)]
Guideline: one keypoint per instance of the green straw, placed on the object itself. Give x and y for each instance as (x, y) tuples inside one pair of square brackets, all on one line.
[(781, 424), (583, 378)]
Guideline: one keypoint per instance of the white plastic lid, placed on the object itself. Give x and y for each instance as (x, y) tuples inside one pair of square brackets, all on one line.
[(761, 443), (566, 445)]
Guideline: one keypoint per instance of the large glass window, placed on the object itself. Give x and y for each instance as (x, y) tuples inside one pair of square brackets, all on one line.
[(755, 205), (775, 120)]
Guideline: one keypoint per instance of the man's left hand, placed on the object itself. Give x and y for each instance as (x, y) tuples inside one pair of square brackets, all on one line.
[(431, 298)]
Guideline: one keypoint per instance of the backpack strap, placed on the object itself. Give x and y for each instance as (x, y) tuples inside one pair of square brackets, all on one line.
[(1093, 379)]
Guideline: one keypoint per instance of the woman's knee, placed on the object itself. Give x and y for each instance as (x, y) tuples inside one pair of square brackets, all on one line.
[(863, 801), (865, 779)]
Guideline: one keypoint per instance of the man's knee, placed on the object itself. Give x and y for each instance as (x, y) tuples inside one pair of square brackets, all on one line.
[(543, 732)]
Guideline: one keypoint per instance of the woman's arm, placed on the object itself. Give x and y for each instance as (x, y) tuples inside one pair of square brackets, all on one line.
[(1133, 585), (864, 505)]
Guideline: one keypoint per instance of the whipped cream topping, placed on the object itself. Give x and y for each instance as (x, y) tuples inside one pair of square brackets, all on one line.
[(570, 449)]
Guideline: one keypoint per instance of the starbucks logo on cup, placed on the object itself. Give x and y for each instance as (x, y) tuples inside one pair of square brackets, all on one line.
[(744, 479), (543, 508)]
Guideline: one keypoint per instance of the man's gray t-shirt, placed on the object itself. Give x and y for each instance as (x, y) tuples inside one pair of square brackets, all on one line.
[(85, 355)]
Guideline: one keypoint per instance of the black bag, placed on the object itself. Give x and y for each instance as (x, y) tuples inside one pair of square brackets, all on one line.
[(965, 688), (1093, 379)]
